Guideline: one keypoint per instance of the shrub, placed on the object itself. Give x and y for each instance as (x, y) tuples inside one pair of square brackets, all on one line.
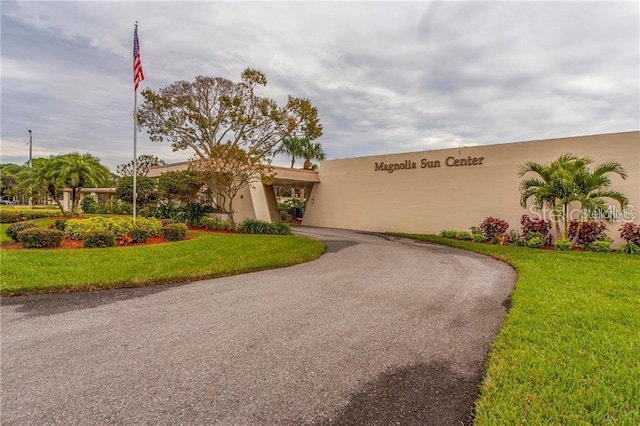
[(192, 212), (145, 190), (589, 231), (76, 229), (493, 227), (531, 228), (12, 230), (630, 233), (217, 224), (535, 242), (448, 234), (631, 248), (175, 231), (563, 244), (40, 238), (102, 208), (479, 238), (166, 211), (17, 215), (99, 239), (59, 224), (463, 235), (600, 246), (513, 236), (88, 204), (253, 226), (152, 225), (139, 234), (280, 228), (119, 207), (166, 222)]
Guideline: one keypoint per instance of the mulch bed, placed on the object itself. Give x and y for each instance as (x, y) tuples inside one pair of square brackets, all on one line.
[(77, 244)]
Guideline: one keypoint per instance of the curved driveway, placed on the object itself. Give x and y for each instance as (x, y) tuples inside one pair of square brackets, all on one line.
[(379, 330)]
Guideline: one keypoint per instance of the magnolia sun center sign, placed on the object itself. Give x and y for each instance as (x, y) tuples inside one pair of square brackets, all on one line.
[(428, 164)]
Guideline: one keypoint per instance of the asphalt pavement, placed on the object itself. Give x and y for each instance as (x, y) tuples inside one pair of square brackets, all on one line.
[(377, 331)]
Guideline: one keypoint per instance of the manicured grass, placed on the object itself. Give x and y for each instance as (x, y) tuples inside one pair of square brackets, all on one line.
[(569, 349), (209, 255)]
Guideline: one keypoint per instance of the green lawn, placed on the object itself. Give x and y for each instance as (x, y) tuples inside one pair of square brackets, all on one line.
[(569, 350), (209, 255)]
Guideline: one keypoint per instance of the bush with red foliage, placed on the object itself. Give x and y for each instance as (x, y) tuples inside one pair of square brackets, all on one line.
[(493, 228), (589, 231), (630, 232), (536, 227)]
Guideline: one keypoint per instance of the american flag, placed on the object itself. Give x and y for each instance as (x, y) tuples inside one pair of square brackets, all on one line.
[(138, 75)]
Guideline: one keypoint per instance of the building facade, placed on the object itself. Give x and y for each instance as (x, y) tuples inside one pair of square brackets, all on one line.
[(429, 191)]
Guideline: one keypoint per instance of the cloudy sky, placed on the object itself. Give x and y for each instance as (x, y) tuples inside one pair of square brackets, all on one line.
[(385, 76)]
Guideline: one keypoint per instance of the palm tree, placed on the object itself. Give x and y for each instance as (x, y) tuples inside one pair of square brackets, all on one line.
[(38, 178), (291, 146), (311, 151), (567, 180), (77, 171), (592, 187)]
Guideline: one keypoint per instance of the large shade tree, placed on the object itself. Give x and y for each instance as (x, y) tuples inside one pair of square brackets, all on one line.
[(568, 181), (144, 163), (216, 119)]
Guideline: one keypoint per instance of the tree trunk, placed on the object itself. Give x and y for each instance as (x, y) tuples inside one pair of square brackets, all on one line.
[(307, 164), (574, 240), (293, 161)]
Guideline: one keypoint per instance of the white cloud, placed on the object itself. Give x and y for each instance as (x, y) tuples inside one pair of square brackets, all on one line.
[(386, 77)]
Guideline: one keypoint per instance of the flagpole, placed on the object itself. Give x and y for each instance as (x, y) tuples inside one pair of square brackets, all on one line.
[(135, 154), (138, 76)]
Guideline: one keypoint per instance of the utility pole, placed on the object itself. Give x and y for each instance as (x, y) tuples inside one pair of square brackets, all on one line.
[(30, 166)]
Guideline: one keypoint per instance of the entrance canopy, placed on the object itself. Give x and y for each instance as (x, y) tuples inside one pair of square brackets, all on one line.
[(297, 178)]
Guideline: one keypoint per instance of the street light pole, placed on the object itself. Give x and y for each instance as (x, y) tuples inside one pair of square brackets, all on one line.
[(30, 166)]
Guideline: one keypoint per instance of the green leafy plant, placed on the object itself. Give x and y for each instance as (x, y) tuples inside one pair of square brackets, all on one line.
[(280, 229), (449, 234), (535, 242), (479, 238), (12, 230), (513, 236), (17, 215), (166, 210), (600, 246), (192, 212), (40, 238), (139, 234), (563, 244), (253, 226), (59, 224), (102, 208), (631, 248), (88, 204), (77, 229), (99, 239), (463, 235), (175, 231), (217, 224)]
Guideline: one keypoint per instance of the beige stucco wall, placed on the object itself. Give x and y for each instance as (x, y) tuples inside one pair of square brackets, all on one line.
[(353, 195)]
